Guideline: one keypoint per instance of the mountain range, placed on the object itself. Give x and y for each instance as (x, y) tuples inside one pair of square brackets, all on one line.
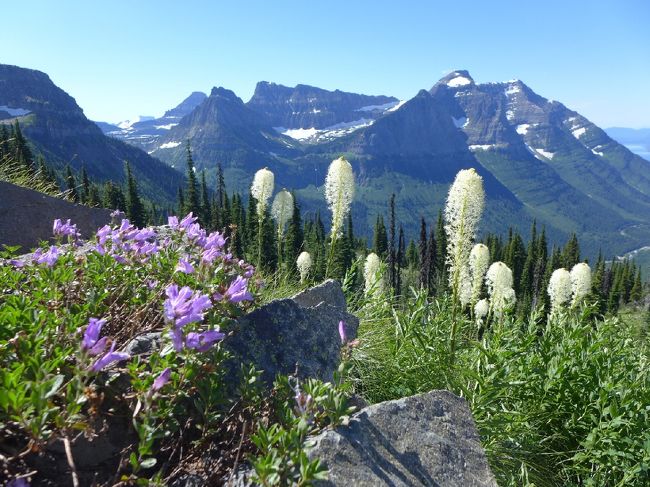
[(58, 128), (539, 159)]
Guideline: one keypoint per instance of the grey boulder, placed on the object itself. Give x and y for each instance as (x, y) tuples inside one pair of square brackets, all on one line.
[(429, 439)]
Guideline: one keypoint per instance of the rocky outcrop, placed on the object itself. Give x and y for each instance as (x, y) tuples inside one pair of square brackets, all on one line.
[(299, 332), (26, 216), (429, 439)]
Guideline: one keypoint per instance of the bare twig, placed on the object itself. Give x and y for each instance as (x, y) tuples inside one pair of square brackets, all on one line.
[(68, 454), (241, 442)]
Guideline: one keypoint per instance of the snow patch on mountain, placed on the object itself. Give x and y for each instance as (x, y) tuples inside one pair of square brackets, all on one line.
[(579, 132), (541, 152), (523, 128), (127, 124), (169, 145), (166, 127), (14, 112), (460, 122), (379, 108), (475, 147), (512, 90), (459, 81), (319, 135), (397, 106)]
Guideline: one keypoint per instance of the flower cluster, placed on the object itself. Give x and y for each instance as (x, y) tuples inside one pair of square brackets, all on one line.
[(303, 263), (67, 229), (559, 288), (499, 282), (339, 192), (92, 346), (183, 306), (127, 243)]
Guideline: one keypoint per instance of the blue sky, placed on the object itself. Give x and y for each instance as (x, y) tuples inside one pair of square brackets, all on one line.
[(120, 59)]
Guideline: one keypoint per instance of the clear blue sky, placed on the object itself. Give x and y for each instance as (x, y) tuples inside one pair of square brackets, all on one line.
[(120, 59)]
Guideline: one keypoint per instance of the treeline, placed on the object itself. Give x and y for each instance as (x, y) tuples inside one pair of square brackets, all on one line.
[(421, 262)]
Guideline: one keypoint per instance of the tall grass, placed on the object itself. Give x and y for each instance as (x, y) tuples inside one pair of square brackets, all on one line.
[(563, 401)]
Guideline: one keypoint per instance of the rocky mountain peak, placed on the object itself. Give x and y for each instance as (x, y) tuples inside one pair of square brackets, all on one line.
[(457, 79), (186, 106), (226, 94)]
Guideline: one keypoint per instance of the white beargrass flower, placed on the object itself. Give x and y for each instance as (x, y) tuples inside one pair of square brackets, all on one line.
[(559, 288), (303, 262), (372, 273), (281, 209), (463, 211), (465, 287), (339, 192), (479, 260), (262, 189), (481, 309), (499, 283), (580, 282)]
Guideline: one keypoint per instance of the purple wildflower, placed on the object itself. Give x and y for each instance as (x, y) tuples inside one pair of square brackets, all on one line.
[(50, 257), (184, 266), (214, 240), (210, 255), (188, 220), (237, 291), (303, 401), (162, 379), (342, 334), (125, 225), (203, 342), (195, 232), (172, 221), (117, 215), (60, 229), (151, 284), (17, 263), (18, 482), (91, 343), (103, 233), (183, 307), (119, 259), (110, 357), (176, 336)]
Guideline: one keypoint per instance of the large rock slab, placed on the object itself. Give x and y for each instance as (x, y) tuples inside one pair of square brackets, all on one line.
[(301, 331), (429, 439), (26, 216)]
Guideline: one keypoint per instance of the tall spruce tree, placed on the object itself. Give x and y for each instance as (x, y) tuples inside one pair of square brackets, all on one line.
[(423, 276), (295, 236), (392, 265), (71, 184), (192, 203), (380, 238), (135, 210)]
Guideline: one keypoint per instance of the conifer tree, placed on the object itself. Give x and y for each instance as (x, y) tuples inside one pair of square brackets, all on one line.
[(114, 197), (441, 255), (636, 292), (423, 277), (400, 260), (85, 186), (181, 202), (71, 184), (93, 195), (571, 252), (515, 257), (436, 281), (206, 211), (135, 210), (295, 235), (22, 153), (380, 238), (392, 265), (192, 203)]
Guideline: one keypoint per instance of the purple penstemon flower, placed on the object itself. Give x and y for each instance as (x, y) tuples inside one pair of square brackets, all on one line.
[(176, 336), (344, 338), (162, 379), (17, 263), (172, 221), (103, 233), (195, 232), (210, 255), (184, 266), (50, 257), (125, 225), (91, 343), (214, 240), (188, 220), (60, 229), (202, 342), (183, 306), (109, 358), (237, 291)]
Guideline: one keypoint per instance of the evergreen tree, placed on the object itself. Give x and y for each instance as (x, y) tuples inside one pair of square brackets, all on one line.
[(114, 197), (380, 238), (400, 260), (192, 195), (85, 186), (392, 265), (636, 292), (206, 211), (515, 257), (412, 256), (425, 264), (441, 255), (93, 196), (433, 284), (71, 184), (22, 153), (571, 253), (181, 202), (295, 236), (134, 208)]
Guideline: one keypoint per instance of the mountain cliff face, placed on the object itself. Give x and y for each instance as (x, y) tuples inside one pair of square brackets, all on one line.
[(305, 107), (57, 126)]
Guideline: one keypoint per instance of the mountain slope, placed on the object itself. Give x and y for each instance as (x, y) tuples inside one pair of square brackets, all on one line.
[(636, 140), (539, 159), (54, 123)]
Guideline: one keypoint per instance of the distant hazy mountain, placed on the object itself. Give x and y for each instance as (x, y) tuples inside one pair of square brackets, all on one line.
[(54, 123), (144, 131), (637, 140)]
